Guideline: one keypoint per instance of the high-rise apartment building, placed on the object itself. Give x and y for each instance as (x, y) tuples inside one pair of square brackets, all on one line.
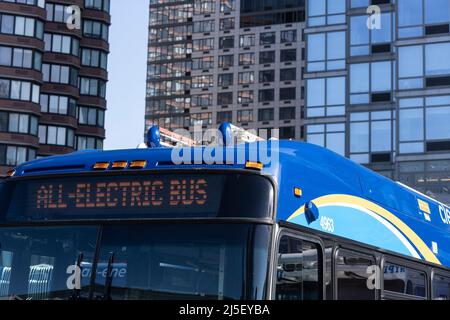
[(52, 77), (378, 86), (226, 60), (369, 79)]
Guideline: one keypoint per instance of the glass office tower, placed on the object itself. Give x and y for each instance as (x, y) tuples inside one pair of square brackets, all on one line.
[(378, 92), (212, 61)]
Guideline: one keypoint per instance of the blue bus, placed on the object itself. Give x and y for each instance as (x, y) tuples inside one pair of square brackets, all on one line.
[(133, 224)]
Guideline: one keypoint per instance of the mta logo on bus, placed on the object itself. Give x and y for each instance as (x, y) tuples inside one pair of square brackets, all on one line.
[(444, 212)]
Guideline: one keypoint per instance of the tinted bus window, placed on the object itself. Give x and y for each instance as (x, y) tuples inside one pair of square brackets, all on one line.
[(183, 261), (299, 270), (138, 196), (352, 273), (441, 288), (400, 279), (37, 263)]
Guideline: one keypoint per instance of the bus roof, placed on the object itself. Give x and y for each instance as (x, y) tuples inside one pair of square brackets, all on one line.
[(351, 200)]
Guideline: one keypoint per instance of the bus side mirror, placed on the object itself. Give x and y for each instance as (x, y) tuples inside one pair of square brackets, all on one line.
[(311, 212)]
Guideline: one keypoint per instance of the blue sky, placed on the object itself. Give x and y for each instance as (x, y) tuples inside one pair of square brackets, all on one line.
[(127, 68)]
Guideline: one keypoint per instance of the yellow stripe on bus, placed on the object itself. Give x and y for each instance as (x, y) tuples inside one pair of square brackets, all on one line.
[(409, 233)]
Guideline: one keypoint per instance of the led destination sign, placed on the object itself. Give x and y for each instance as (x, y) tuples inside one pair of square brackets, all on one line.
[(122, 194), (136, 196)]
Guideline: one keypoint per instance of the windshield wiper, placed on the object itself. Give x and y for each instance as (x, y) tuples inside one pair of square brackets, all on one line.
[(76, 295), (108, 278)]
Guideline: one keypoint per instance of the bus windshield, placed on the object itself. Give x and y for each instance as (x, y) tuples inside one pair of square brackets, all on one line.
[(171, 235), (136, 196), (150, 261)]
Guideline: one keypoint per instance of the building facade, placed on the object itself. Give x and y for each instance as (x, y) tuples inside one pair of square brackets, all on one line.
[(52, 77), (378, 86), (368, 79), (226, 60)]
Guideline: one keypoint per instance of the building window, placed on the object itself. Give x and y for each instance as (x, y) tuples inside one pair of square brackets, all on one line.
[(225, 80), (266, 114), (18, 123), (201, 119), (245, 97), (19, 90), (95, 30), (204, 6), (62, 44), (173, 105), (246, 77), (226, 24), (266, 57), (199, 82), (224, 116), (247, 40), (204, 26), (168, 33), (371, 136), (423, 124), (245, 116), (287, 94), (102, 5), (94, 58), (246, 59), (287, 113), (226, 42), (57, 136), (417, 18), (39, 3), (424, 66), (227, 5), (288, 55), (266, 76), (429, 177), (326, 12), (364, 41), (91, 116), (20, 58), (288, 74), (288, 36), (58, 12), (92, 87), (89, 143), (325, 97), (173, 87), (258, 15), (326, 51), (203, 44), (21, 26), (56, 73), (224, 98), (266, 38), (171, 14), (331, 136), (266, 95), (202, 100), (226, 61), (15, 155), (287, 133), (58, 104), (169, 52), (371, 82), (197, 64)]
